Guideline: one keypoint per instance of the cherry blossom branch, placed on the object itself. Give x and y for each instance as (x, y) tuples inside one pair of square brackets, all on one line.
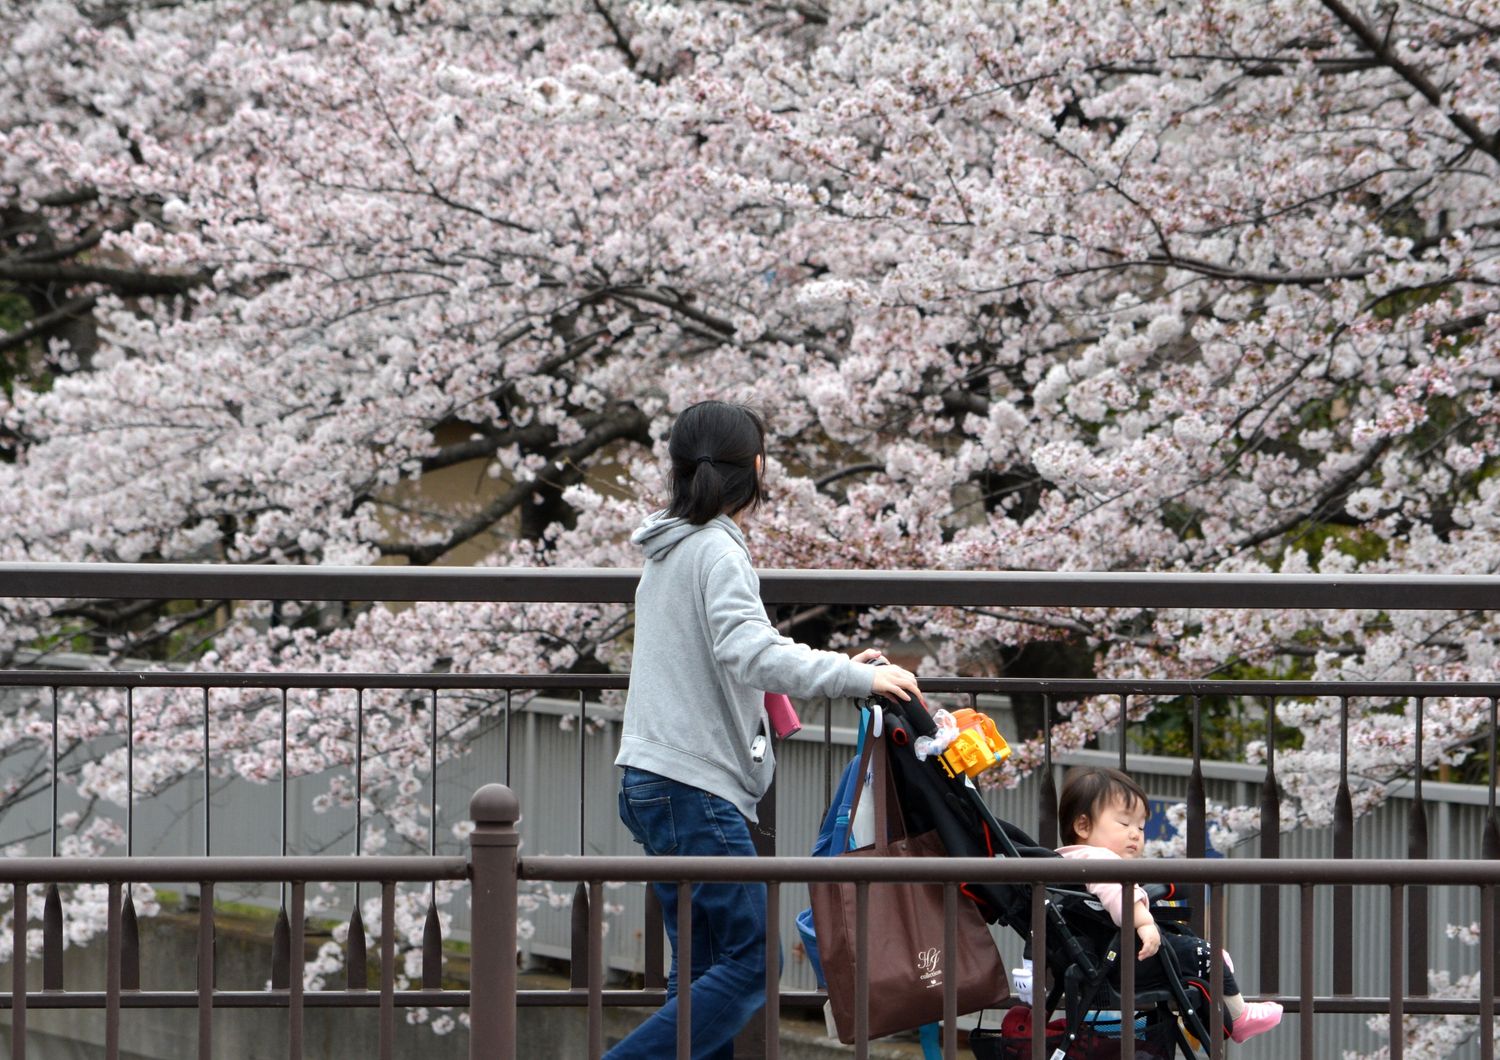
[(1224, 272), (562, 470), (1381, 48), (1323, 504), (621, 41)]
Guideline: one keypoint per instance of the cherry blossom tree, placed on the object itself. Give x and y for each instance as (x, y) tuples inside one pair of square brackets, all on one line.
[(1203, 286)]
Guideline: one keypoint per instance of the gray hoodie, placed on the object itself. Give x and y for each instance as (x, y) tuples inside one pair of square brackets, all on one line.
[(705, 654)]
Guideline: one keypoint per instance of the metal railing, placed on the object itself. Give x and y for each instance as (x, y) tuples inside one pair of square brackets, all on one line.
[(122, 952), (490, 868), (1306, 875), (495, 872), (1407, 883)]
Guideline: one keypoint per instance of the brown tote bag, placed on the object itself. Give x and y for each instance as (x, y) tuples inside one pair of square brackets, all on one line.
[(906, 960)]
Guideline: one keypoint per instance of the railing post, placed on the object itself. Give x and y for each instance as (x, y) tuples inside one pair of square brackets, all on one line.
[(493, 844)]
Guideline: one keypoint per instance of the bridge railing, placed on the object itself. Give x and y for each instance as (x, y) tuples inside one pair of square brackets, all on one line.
[(1408, 894)]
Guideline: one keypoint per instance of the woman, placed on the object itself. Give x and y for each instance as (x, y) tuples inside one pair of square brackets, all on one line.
[(696, 744)]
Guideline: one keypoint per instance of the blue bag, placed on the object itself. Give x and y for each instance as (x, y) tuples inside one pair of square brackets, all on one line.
[(833, 838)]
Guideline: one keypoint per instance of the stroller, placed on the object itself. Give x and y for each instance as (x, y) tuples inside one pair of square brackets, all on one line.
[(1082, 947)]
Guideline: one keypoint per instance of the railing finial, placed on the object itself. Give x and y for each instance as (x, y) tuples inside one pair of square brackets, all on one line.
[(494, 804)]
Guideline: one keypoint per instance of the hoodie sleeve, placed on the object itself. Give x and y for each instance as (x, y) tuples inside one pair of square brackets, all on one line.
[(747, 645)]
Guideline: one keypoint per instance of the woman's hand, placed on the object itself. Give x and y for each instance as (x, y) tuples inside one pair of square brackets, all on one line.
[(1150, 936), (891, 680)]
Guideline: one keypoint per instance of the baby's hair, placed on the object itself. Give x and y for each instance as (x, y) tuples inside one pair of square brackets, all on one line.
[(714, 446), (1088, 790)]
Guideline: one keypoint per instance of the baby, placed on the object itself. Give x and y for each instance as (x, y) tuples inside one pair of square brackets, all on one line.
[(1102, 814)]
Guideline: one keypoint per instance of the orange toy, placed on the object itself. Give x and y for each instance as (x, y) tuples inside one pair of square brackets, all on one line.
[(977, 747)]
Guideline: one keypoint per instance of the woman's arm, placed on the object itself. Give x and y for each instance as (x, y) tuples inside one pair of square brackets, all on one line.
[(755, 654)]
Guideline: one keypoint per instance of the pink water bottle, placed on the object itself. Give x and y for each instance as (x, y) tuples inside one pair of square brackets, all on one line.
[(783, 715)]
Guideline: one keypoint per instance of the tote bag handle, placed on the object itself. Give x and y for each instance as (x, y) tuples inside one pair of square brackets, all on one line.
[(883, 782)]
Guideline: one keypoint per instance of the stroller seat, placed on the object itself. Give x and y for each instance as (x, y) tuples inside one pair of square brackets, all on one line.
[(1082, 943), (1087, 986)]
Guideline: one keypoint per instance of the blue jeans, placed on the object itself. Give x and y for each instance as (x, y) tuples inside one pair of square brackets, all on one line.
[(729, 919)]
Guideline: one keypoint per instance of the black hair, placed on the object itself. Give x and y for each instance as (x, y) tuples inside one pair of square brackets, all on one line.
[(714, 449), (1088, 791)]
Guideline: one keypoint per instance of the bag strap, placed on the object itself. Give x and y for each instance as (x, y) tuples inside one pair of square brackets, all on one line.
[(891, 814), (882, 783), (859, 783), (877, 751)]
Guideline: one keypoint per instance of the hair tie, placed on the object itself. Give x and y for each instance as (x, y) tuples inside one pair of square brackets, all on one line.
[(705, 460)]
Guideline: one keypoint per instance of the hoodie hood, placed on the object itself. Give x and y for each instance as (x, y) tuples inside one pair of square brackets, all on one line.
[(661, 533)]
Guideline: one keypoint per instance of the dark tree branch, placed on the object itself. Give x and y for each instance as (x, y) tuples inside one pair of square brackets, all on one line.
[(1224, 272), (1462, 324), (52, 254), (722, 328), (1380, 48), (46, 324), (1261, 65), (110, 612), (786, 625), (139, 643), (719, 329), (1057, 622), (125, 281), (963, 401), (76, 197), (534, 437), (844, 472), (1335, 492), (531, 437), (622, 42), (562, 470)]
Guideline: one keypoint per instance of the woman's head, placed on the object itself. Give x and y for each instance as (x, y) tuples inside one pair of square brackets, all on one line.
[(717, 452), (1102, 807)]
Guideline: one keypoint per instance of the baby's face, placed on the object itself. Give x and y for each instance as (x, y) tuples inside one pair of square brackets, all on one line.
[(1118, 826)]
